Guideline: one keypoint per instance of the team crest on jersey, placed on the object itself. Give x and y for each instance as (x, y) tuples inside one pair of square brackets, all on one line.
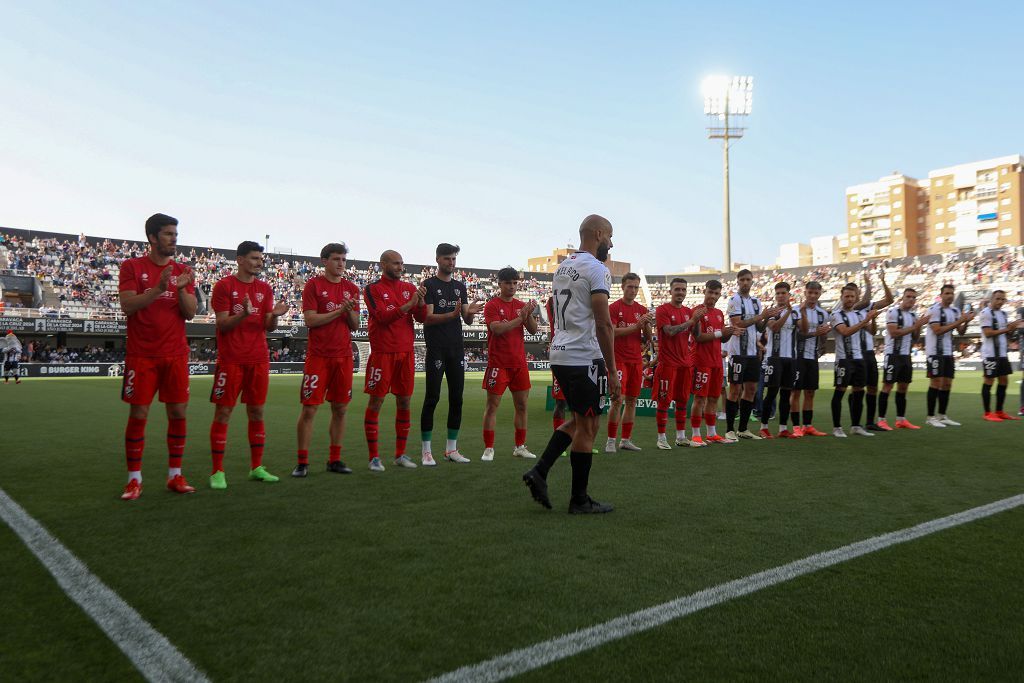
[(405, 294), (259, 297), (438, 363)]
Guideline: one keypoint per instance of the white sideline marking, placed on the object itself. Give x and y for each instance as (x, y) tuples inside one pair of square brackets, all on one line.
[(535, 656), (151, 653)]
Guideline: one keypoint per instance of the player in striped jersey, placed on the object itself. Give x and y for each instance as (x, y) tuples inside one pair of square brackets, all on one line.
[(995, 333), (850, 368), (780, 366), (945, 318), (747, 317), (901, 326), (814, 326)]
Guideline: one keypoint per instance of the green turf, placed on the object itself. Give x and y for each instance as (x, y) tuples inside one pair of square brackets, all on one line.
[(406, 574)]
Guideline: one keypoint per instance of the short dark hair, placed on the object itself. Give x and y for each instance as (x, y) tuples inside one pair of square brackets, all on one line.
[(812, 284), (630, 276), (333, 248), (782, 285), (675, 280), (247, 247), (508, 274), (742, 273), (157, 221), (445, 249), (946, 286), (910, 289), (849, 287), (997, 291), (712, 284)]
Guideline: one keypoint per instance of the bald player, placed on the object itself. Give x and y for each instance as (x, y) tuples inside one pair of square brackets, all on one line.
[(391, 303), (583, 361)]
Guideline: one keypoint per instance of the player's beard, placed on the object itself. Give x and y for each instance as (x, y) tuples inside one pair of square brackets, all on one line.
[(602, 253)]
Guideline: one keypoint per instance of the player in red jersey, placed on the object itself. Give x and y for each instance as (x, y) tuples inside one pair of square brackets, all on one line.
[(674, 377), (330, 308), (558, 414), (632, 334), (157, 295), (391, 303), (708, 378), (506, 317), (245, 310)]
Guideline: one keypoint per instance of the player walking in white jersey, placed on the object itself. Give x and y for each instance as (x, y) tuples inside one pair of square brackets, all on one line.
[(944, 319), (583, 361)]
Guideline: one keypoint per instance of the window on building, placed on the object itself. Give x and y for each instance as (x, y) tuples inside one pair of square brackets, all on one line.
[(939, 211), (854, 251), (951, 195), (898, 217), (938, 182), (897, 205), (1006, 231), (897, 190), (1006, 217), (1004, 187), (940, 226), (940, 239)]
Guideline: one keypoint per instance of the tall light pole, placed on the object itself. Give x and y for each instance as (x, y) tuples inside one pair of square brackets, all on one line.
[(726, 100)]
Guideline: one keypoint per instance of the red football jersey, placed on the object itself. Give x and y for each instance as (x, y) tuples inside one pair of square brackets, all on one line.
[(390, 328), (158, 330), (676, 350), (709, 354), (628, 347), (247, 341), (333, 340), (504, 350)]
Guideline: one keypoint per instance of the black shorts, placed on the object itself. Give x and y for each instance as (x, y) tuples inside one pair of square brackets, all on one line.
[(849, 373), (743, 369), (806, 376), (584, 386), (870, 370), (779, 372), (941, 366), (10, 365), (996, 367), (898, 369)]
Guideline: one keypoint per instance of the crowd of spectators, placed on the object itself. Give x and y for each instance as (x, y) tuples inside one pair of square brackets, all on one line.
[(84, 274)]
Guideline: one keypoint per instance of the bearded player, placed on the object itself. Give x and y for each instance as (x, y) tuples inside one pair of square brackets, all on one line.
[(673, 378), (157, 295)]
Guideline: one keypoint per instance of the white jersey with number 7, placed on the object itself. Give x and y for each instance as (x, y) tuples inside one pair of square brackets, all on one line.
[(577, 278)]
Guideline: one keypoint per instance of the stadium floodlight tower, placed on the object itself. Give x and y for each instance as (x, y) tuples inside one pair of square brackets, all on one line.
[(727, 101)]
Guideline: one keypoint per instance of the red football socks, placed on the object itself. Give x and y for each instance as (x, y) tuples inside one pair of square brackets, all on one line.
[(257, 437), (218, 443), (176, 431), (134, 443)]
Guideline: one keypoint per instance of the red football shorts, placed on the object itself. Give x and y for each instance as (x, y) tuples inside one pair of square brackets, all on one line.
[(672, 383), (707, 382), (329, 378), (496, 380), (248, 379), (556, 389), (631, 376), (390, 373), (144, 376)]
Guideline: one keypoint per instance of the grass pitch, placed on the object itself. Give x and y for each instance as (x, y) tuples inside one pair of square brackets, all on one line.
[(408, 574)]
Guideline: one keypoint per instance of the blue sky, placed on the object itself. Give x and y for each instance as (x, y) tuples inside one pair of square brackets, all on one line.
[(494, 125)]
